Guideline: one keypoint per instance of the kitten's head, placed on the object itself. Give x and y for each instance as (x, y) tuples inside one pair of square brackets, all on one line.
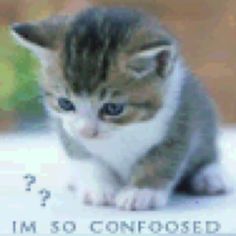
[(103, 69)]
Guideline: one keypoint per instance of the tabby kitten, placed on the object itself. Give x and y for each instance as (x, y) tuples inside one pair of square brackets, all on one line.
[(133, 120)]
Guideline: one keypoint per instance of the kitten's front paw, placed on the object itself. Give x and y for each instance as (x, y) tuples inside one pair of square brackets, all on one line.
[(211, 180), (141, 199), (97, 195)]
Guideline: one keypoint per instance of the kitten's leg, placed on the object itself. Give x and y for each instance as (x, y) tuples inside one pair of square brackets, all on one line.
[(154, 178), (94, 183), (210, 180)]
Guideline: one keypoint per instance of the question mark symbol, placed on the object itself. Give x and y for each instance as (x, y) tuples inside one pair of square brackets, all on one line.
[(45, 196), (30, 181)]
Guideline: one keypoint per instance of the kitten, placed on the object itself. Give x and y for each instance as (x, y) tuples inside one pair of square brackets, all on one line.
[(133, 120)]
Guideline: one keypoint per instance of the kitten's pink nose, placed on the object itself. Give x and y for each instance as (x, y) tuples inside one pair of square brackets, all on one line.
[(89, 132)]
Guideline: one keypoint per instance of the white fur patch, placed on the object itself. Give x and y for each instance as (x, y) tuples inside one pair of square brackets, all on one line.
[(154, 51), (122, 148), (211, 180), (94, 184), (141, 199)]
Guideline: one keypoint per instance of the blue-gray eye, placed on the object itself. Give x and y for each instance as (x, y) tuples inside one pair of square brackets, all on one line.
[(66, 104), (112, 109)]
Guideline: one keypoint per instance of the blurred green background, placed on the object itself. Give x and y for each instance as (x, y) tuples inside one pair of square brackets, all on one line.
[(18, 84)]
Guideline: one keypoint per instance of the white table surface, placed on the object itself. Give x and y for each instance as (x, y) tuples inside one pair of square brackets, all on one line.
[(40, 155)]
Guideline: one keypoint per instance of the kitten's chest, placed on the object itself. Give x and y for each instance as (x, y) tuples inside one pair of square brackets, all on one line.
[(124, 148)]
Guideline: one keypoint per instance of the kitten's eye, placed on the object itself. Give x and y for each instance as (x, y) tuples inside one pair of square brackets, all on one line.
[(66, 104), (112, 109)]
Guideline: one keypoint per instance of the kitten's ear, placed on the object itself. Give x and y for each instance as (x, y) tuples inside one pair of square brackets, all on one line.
[(41, 36), (157, 59)]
